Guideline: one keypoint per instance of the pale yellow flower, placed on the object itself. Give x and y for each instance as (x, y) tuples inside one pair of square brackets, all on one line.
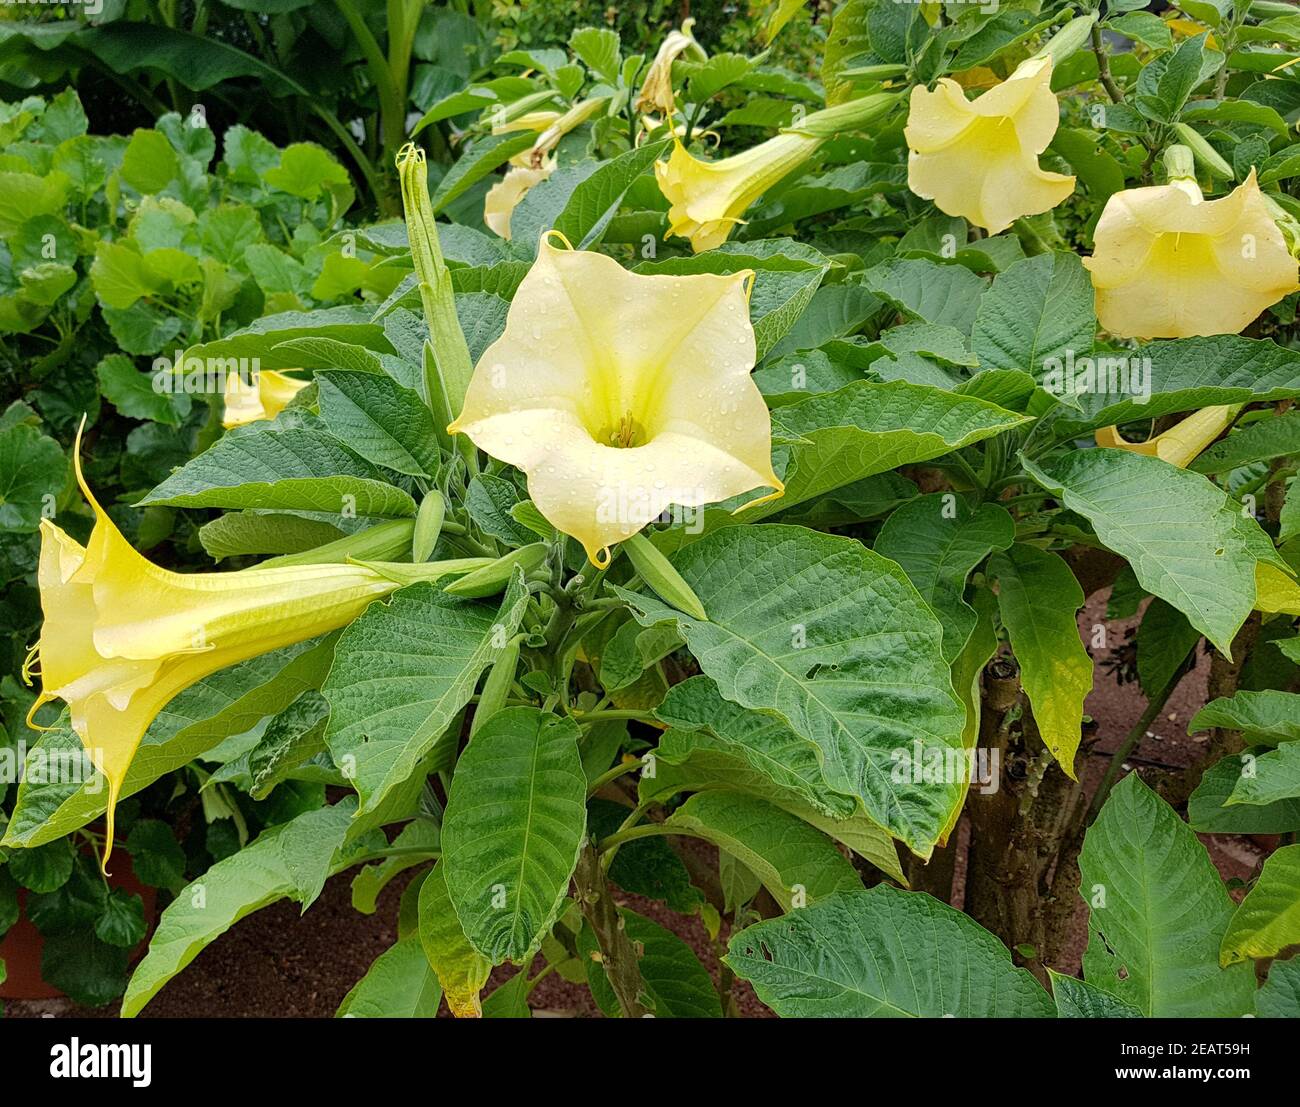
[(1182, 443), (1169, 264), (122, 636), (503, 197), (657, 89), (708, 198), (621, 394), (979, 158), (264, 397)]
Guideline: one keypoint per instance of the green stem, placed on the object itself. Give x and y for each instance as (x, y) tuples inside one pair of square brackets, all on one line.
[(612, 775)]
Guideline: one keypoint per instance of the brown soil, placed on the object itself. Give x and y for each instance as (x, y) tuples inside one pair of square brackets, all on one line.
[(278, 963)]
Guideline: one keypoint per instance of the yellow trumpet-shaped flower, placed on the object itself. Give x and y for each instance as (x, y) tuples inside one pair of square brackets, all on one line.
[(657, 89), (979, 158), (708, 198), (264, 397), (1182, 443), (503, 197), (621, 394), (1169, 264), (122, 636)]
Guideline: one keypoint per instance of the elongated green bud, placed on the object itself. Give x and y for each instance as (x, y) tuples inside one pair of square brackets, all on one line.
[(496, 688), (658, 572), (403, 573), (495, 575), (1179, 163), (448, 371), (382, 542), (1069, 39), (1204, 152), (853, 115), (428, 525)]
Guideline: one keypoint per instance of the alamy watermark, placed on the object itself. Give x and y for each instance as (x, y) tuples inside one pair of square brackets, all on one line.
[(203, 376), (1098, 376)]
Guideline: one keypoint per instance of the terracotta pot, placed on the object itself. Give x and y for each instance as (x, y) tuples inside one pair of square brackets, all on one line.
[(22, 945)]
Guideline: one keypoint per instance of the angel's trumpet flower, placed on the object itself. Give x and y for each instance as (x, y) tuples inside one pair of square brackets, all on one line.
[(264, 397), (1169, 264), (621, 394), (978, 159), (122, 636), (1182, 443), (657, 89), (503, 197), (708, 198)]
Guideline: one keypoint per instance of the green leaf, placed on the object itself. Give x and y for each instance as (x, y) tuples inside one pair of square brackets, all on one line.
[(1036, 312), (385, 423), (480, 158), (1186, 374), (402, 673), (150, 162), (516, 817), (424, 840), (596, 199), (460, 969), (122, 923), (1077, 999), (267, 870), (1210, 811), (33, 472), (1039, 597), (1268, 919), (1269, 777), (1279, 998), (305, 170), (291, 469), (237, 533), (156, 857), (1268, 717), (44, 868), (938, 540), (867, 428), (133, 394), (929, 292), (88, 971), (796, 863), (398, 985), (597, 49), (883, 953), (488, 501), (676, 985), (1158, 912), (832, 639), (121, 276), (1177, 530), (647, 867), (1275, 436), (228, 702), (260, 339), (1164, 639)]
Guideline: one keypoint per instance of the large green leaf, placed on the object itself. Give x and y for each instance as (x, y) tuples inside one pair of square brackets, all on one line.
[(832, 639), (927, 291), (1279, 998), (1158, 912), (461, 970), (1268, 717), (1268, 919), (1077, 999), (938, 540), (1274, 436), (840, 437), (1189, 373), (297, 468), (398, 985), (33, 471), (313, 845), (1037, 311), (402, 673), (385, 423), (1270, 777), (1211, 808), (1039, 598), (228, 702), (796, 863), (516, 817), (260, 339), (676, 985), (883, 953), (596, 199), (1178, 531)]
